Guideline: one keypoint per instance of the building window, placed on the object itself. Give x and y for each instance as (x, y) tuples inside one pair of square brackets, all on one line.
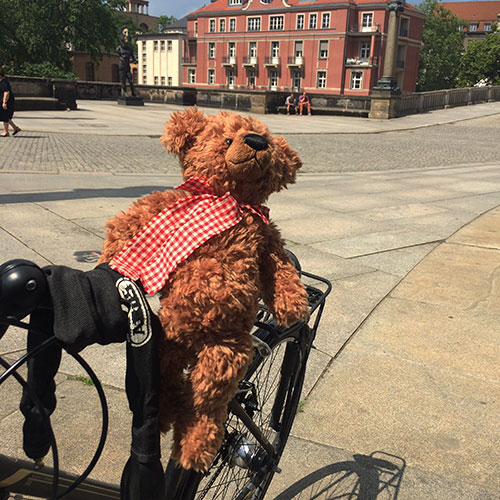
[(404, 26), (325, 20), (313, 19), (275, 49), (144, 69), (266, 1), (251, 78), (90, 71), (356, 80), (252, 49), (273, 79), (211, 50), (169, 45), (156, 80), (487, 27), (163, 80), (211, 26), (298, 49), (155, 45), (275, 23), (162, 45), (222, 25), (196, 27), (211, 76), (169, 81), (473, 27), (253, 24), (144, 79), (232, 24), (323, 49), (144, 57), (364, 51), (234, 2), (191, 75), (300, 21), (230, 78), (296, 80), (367, 20), (231, 49), (321, 79)]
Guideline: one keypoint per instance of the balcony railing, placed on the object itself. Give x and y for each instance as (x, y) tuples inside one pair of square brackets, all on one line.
[(272, 61), (229, 61), (189, 60), (357, 61), (374, 28), (295, 61), (250, 61)]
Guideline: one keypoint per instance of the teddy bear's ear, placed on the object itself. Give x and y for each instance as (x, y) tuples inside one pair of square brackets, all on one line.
[(181, 130), (288, 159)]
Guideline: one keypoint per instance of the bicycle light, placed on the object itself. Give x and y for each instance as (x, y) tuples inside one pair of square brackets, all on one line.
[(23, 286)]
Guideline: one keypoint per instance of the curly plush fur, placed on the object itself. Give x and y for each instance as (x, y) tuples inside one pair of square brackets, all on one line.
[(210, 301)]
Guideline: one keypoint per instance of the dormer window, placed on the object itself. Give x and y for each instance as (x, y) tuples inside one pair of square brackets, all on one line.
[(235, 3), (266, 1)]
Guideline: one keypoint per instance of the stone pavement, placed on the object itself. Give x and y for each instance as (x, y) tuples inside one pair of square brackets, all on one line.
[(402, 395)]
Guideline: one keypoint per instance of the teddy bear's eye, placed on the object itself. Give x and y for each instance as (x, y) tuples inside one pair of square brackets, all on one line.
[(229, 142)]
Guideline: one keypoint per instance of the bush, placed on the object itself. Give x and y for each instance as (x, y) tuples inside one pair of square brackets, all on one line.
[(40, 70)]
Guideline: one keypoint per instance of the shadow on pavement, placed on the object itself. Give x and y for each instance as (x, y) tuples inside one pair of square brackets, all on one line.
[(75, 194), (367, 477)]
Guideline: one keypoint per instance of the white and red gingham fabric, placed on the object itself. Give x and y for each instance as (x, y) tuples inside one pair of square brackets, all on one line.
[(176, 232)]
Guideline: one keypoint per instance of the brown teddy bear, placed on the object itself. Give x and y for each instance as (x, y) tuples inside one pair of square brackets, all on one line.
[(211, 252)]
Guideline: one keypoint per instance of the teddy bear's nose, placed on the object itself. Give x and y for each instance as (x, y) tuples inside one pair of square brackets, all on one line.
[(255, 141)]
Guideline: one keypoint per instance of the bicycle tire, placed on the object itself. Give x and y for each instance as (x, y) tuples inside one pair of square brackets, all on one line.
[(227, 478)]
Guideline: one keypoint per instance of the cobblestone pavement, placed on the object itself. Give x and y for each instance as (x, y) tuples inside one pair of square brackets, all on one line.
[(468, 142)]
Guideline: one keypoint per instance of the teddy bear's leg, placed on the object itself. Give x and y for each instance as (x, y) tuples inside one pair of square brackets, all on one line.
[(214, 380)]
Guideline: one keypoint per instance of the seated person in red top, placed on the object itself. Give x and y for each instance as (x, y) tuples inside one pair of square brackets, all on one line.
[(291, 102), (304, 101)]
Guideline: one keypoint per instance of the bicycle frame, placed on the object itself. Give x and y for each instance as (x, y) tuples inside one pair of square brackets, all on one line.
[(24, 477)]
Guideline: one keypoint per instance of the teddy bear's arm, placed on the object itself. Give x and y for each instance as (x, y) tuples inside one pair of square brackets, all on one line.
[(125, 225), (282, 290)]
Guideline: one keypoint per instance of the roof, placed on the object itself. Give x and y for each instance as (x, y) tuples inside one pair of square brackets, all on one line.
[(474, 11), (180, 23)]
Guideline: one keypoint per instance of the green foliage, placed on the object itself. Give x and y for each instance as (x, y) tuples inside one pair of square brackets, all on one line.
[(481, 62), (442, 48), (40, 70), (36, 32), (164, 21)]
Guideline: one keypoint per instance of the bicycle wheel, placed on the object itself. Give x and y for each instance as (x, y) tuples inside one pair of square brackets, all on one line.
[(269, 394)]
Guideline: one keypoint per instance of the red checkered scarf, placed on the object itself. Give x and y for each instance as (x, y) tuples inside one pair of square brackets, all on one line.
[(176, 232)]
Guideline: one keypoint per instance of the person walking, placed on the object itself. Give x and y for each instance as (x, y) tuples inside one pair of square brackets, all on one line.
[(7, 106), (304, 101), (290, 102)]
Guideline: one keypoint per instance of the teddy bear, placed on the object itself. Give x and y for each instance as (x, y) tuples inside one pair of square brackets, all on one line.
[(210, 289)]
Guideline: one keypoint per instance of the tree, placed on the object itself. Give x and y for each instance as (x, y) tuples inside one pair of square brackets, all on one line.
[(164, 21), (481, 62), (34, 32), (442, 49)]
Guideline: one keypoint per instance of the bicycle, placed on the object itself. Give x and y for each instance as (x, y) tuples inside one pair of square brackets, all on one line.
[(260, 418)]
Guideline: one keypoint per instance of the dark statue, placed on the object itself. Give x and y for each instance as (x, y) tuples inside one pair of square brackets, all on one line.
[(127, 56)]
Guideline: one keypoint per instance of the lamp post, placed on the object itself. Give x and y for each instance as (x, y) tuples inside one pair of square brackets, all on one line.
[(388, 82)]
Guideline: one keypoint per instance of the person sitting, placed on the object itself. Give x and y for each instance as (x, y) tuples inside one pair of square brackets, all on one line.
[(304, 101), (290, 102)]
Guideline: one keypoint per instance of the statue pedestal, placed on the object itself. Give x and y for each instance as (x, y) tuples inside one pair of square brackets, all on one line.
[(130, 100)]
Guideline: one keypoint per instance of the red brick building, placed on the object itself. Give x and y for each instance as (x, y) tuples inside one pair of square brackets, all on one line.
[(322, 46)]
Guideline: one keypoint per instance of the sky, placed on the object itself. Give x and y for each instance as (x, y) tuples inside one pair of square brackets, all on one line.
[(179, 8)]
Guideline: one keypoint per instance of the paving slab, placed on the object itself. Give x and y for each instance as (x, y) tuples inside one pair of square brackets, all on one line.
[(485, 232)]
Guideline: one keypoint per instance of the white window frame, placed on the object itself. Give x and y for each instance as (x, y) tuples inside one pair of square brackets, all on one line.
[(323, 53), (298, 53), (169, 45), (232, 24), (366, 19), (222, 25), (252, 49), (273, 78), (155, 45), (296, 80), (325, 20), (231, 77), (156, 79), (162, 81), (275, 49), (254, 23), (251, 77), (356, 80), (301, 20), (211, 76), (211, 25), (191, 76), (313, 21), (162, 45), (321, 79), (473, 26), (487, 26), (211, 50), (276, 23), (169, 81), (364, 50), (233, 3), (231, 49), (406, 20)]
